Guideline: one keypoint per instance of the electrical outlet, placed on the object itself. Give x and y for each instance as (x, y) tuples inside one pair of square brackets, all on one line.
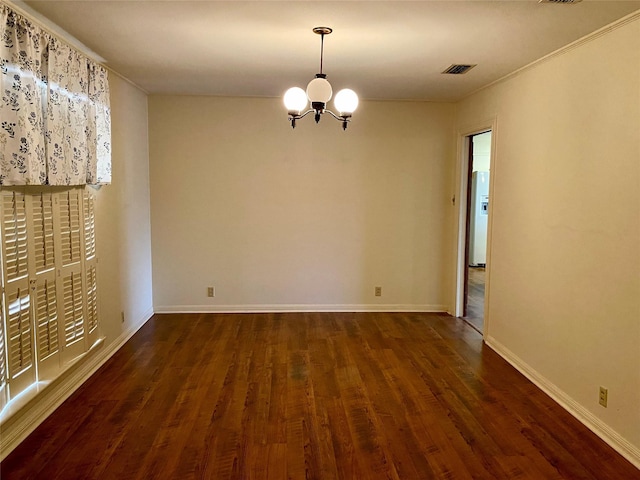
[(604, 393), (378, 291), (211, 291)]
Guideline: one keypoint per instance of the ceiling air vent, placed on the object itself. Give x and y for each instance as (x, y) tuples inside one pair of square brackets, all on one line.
[(458, 69)]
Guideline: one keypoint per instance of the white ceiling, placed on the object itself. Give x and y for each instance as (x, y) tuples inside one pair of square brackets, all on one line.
[(383, 50)]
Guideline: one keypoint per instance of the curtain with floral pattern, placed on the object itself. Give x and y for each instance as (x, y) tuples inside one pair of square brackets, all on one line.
[(23, 64), (98, 168), (55, 126)]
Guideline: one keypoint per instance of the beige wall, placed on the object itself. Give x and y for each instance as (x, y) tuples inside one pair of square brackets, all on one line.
[(482, 152), (123, 217), (312, 218), (565, 254), (124, 256)]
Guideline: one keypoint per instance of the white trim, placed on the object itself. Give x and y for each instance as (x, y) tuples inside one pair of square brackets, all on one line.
[(276, 308), (17, 428), (586, 417), (461, 229), (462, 180)]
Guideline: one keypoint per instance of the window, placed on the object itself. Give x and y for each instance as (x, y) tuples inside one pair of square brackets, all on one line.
[(49, 283)]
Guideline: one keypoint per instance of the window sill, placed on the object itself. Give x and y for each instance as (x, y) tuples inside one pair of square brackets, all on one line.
[(30, 395)]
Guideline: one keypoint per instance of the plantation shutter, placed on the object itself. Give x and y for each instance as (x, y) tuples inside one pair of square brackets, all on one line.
[(14, 225), (3, 363), (90, 265), (70, 294), (45, 308), (17, 308), (42, 205), (49, 301)]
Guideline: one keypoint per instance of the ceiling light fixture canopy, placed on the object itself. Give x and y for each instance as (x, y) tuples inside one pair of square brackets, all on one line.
[(318, 93)]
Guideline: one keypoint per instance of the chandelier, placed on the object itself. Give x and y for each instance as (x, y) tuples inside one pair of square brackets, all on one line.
[(319, 93)]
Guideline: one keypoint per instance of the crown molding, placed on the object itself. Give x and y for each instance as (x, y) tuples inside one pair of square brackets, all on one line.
[(561, 51)]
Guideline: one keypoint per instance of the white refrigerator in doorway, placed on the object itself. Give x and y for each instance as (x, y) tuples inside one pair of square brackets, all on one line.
[(479, 218)]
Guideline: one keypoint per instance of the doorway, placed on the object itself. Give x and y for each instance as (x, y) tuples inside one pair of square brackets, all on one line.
[(478, 176)]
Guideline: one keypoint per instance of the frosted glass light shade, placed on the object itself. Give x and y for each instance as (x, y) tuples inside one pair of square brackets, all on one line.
[(346, 101), (295, 99), (319, 90)]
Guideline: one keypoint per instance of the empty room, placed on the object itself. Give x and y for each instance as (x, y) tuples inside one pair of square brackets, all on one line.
[(320, 239)]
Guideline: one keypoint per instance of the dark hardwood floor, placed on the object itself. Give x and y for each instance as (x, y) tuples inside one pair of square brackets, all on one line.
[(311, 396), (475, 298)]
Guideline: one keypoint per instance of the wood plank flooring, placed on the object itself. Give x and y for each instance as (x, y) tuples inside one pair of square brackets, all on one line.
[(475, 298), (311, 396)]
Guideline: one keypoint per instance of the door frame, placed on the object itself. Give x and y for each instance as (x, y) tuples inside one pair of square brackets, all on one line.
[(462, 184)]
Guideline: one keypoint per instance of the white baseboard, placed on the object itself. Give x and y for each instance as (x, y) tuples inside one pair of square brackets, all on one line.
[(300, 308), (588, 419), (15, 431)]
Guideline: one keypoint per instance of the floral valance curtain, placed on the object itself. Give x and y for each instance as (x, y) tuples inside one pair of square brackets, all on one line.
[(55, 124)]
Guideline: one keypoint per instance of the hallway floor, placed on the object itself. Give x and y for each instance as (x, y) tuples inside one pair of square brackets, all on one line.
[(475, 301)]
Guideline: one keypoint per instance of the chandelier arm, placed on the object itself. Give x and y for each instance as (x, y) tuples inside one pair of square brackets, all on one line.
[(342, 118), (302, 115)]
